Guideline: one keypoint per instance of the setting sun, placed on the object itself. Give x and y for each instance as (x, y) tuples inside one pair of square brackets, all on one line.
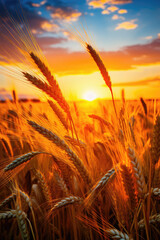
[(90, 95)]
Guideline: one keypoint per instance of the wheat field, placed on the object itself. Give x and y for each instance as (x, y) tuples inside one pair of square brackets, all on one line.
[(74, 170)]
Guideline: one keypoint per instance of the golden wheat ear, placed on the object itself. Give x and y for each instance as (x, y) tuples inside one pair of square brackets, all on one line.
[(62, 144), (52, 91), (102, 69)]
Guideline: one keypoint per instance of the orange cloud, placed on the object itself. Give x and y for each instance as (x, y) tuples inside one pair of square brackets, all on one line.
[(66, 14), (112, 8), (126, 58), (148, 37), (116, 17), (158, 35), (142, 82), (102, 3), (49, 27), (38, 4), (128, 25), (105, 11), (122, 11)]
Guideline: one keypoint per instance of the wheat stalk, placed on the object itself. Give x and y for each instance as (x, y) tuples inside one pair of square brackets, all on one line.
[(144, 105), (21, 218), (75, 142), (152, 220), (55, 92), (102, 69), (61, 183), (8, 214), (97, 188), (128, 182), (155, 143), (106, 123), (22, 159), (58, 113), (44, 69), (7, 200), (43, 185), (67, 201), (155, 192), (115, 234), (61, 143), (137, 171)]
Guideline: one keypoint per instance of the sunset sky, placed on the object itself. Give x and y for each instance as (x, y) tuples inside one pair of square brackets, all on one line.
[(125, 32)]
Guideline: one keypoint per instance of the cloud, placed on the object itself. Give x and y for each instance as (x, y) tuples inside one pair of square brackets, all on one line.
[(112, 8), (142, 82), (129, 57), (38, 4), (102, 3), (117, 17), (48, 42), (122, 11), (128, 25), (109, 10), (105, 11), (67, 14), (148, 37), (49, 27), (158, 35)]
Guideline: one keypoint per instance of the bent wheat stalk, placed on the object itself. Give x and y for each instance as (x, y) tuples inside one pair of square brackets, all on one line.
[(18, 161), (61, 144)]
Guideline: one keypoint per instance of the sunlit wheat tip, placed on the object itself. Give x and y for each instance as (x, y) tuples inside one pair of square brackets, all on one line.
[(100, 65)]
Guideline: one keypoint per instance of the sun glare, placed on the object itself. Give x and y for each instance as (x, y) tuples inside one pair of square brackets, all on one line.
[(90, 95)]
